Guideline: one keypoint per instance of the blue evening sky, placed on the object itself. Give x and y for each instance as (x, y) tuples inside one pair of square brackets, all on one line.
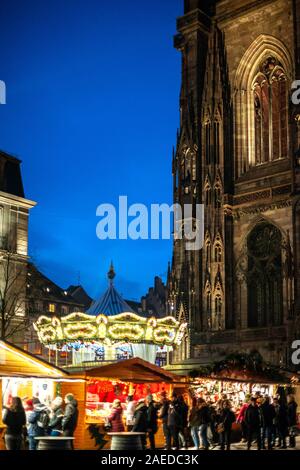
[(92, 111)]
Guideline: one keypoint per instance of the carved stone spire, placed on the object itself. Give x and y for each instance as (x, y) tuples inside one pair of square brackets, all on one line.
[(111, 273)]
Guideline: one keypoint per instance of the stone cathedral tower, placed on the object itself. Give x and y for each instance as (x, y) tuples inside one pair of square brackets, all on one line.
[(238, 154)]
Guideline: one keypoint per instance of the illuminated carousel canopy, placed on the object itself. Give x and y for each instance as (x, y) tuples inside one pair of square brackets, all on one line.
[(125, 327), (107, 323)]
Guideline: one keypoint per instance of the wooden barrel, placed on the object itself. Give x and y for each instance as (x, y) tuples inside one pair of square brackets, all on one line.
[(54, 443), (126, 441)]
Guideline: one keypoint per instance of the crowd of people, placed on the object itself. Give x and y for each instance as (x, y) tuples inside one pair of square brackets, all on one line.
[(270, 423), (206, 425), (26, 421), (141, 416)]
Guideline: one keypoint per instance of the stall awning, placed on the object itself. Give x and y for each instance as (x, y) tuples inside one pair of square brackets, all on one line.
[(15, 362), (132, 370)]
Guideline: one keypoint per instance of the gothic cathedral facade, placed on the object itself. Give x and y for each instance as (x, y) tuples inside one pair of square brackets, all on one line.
[(238, 154)]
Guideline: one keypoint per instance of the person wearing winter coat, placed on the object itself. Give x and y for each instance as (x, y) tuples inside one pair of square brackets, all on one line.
[(204, 418), (184, 411), (151, 420), (130, 412), (141, 420), (226, 420), (253, 422), (194, 423), (70, 418), (15, 419), (163, 415), (292, 419), (56, 416), (28, 407), (37, 422), (268, 415), (213, 436), (115, 417), (241, 419), (174, 422), (281, 422)]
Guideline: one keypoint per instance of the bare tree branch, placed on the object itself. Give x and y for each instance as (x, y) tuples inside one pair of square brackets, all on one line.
[(13, 282)]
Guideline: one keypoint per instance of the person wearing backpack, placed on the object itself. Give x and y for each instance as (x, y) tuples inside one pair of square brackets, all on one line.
[(38, 421)]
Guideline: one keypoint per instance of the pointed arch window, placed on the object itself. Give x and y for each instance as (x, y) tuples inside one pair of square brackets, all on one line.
[(218, 196), (217, 147), (270, 102), (208, 308), (207, 195), (264, 277), (218, 253), (193, 165), (208, 251), (207, 139), (217, 320)]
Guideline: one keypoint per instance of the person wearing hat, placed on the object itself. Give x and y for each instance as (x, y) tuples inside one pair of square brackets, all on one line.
[(151, 420), (38, 421), (141, 420)]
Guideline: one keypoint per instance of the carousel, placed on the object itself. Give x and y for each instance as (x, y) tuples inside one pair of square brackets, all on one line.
[(110, 330)]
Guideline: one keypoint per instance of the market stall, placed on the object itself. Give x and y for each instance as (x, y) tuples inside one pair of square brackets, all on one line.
[(238, 376), (237, 390), (26, 376), (238, 386), (103, 384)]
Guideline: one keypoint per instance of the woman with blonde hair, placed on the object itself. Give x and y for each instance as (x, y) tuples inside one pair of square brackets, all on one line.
[(115, 417)]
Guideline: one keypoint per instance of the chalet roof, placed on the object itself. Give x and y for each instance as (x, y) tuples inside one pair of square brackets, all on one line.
[(15, 362), (131, 370)]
